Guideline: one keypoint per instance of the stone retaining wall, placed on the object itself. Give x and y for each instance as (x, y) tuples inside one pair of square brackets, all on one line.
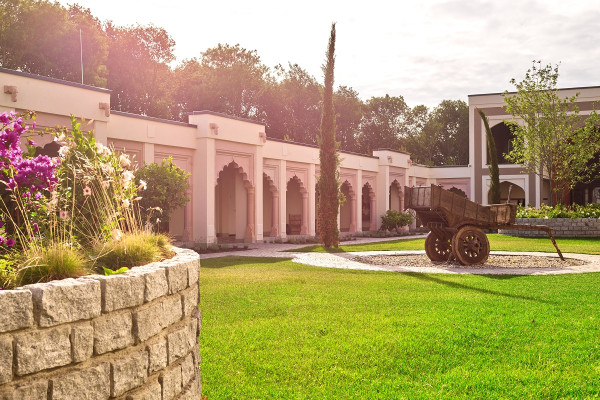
[(561, 227), (130, 336)]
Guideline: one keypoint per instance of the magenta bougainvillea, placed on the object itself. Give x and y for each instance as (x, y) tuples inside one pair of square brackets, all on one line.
[(25, 179)]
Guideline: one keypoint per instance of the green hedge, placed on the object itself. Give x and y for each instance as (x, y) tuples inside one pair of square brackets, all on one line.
[(560, 211)]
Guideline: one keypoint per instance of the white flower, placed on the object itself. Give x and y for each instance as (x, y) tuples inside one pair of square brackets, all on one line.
[(102, 149), (63, 214), (60, 138), (107, 168), (116, 234), (105, 184), (63, 151), (126, 178), (125, 203), (143, 185), (124, 160), (87, 191)]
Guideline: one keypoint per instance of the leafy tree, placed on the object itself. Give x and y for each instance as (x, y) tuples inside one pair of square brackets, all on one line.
[(44, 38), (493, 160), (328, 185), (139, 73), (166, 187), (348, 107), (382, 123), (551, 139)]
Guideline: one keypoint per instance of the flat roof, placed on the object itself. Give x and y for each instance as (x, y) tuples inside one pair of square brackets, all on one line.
[(218, 114), (567, 88), (54, 80), (314, 146), (165, 121), (392, 150)]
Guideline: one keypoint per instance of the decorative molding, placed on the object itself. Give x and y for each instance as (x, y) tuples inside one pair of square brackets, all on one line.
[(214, 128), (263, 137), (106, 107), (12, 90)]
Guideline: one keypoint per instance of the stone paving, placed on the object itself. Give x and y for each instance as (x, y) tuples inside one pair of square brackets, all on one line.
[(345, 260)]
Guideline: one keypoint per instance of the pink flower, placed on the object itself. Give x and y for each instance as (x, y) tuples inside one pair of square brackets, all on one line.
[(63, 214), (87, 191)]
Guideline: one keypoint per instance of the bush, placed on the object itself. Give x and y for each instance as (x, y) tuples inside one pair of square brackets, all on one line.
[(560, 211), (55, 262), (133, 249), (166, 186), (394, 220)]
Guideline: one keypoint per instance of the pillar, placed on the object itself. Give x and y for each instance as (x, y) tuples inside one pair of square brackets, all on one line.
[(304, 226), (275, 215), (249, 236), (352, 213), (187, 218), (373, 226)]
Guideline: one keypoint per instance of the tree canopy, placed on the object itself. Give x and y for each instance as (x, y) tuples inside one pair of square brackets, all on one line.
[(137, 63)]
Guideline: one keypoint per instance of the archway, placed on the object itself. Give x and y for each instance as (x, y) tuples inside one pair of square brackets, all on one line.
[(270, 208), (396, 200), (503, 139), (348, 209), (369, 218), (517, 193), (234, 205), (296, 208)]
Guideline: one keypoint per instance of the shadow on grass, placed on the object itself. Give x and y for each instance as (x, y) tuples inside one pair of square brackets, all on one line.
[(230, 261), (316, 248), (476, 289)]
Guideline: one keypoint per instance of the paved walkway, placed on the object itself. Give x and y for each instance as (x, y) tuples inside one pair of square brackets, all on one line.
[(345, 260)]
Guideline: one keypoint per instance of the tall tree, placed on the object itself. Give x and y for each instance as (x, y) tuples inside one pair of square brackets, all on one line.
[(551, 139), (348, 107), (382, 123), (328, 186), (139, 72), (492, 160)]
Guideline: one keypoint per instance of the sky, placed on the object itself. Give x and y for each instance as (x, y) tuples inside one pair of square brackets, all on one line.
[(423, 50)]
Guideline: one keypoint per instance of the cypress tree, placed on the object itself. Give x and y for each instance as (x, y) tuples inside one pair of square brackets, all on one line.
[(328, 185), (492, 161)]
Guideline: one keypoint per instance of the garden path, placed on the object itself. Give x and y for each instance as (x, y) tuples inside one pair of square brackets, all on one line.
[(346, 260)]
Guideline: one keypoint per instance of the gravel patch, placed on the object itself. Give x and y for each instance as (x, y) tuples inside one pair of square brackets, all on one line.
[(494, 261)]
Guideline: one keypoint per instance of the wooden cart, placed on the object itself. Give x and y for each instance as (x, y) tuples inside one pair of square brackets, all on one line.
[(456, 224)]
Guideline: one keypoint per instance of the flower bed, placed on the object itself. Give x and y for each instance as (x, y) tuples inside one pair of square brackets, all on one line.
[(132, 335)]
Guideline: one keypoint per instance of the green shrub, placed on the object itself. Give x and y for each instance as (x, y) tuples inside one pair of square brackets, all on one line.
[(44, 264), (133, 249), (394, 220), (560, 211), (8, 274)]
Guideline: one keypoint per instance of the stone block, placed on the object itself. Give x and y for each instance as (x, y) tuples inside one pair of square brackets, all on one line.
[(193, 272), (112, 332), (39, 350), (177, 275), (121, 291), (157, 355), (128, 373), (36, 390), (152, 391), (196, 354), (171, 383), (82, 341), (151, 318), (17, 310), (178, 344), (187, 369), (189, 298), (91, 383), (6, 358), (66, 300), (156, 284)]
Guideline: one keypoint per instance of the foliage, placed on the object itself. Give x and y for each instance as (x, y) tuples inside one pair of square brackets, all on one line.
[(166, 189), (551, 139), (57, 261), (328, 185), (382, 123), (132, 250), (108, 272), (494, 191), (394, 220), (411, 335), (8, 274), (560, 211)]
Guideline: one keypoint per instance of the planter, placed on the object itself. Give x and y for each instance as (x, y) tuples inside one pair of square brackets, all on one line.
[(131, 335), (561, 227)]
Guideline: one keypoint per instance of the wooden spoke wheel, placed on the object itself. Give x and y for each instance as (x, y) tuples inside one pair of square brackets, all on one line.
[(438, 248), (471, 245)]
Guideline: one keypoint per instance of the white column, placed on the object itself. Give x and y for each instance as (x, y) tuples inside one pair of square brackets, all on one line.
[(304, 226)]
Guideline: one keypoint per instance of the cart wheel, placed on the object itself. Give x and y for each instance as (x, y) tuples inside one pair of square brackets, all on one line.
[(471, 245), (438, 248)]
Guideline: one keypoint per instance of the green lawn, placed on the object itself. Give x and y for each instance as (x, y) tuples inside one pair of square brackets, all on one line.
[(497, 242), (274, 329)]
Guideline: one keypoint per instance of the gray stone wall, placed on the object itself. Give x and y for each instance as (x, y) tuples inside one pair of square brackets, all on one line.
[(561, 227), (131, 336)]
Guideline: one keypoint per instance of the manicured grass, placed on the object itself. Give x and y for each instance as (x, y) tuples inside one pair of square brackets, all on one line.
[(497, 242), (274, 329)]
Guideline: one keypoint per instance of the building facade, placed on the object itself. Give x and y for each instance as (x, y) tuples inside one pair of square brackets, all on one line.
[(247, 187)]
